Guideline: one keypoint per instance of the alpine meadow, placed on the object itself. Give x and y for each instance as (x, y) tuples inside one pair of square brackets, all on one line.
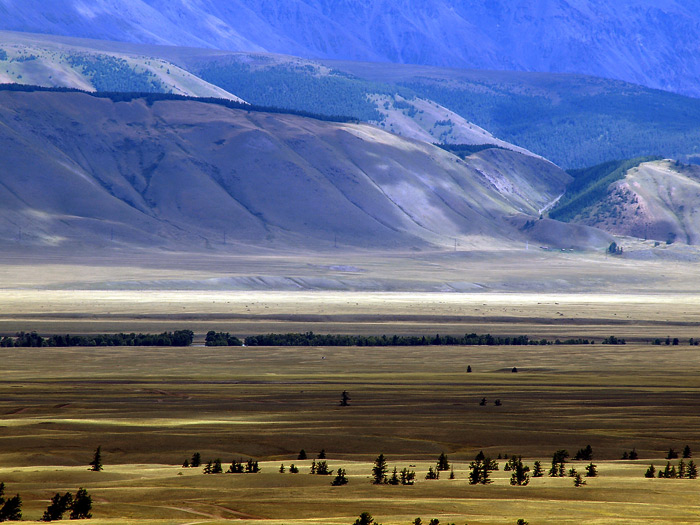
[(350, 263)]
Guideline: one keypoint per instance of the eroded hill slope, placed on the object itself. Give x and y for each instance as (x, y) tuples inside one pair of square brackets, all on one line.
[(185, 174)]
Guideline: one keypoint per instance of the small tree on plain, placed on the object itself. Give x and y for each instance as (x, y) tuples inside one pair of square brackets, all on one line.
[(407, 476), (340, 478), (186, 464), (394, 478), (579, 481), (692, 472), (82, 506), (322, 454), (344, 398), (302, 454), (365, 519), (322, 468), (672, 454), (208, 467), (282, 468), (442, 463), (196, 460), (537, 471), (216, 467), (379, 470), (633, 454), (591, 470), (651, 471), (558, 461), (687, 454), (293, 469), (96, 463), (520, 474)]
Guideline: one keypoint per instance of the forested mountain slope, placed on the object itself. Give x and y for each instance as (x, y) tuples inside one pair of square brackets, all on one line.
[(648, 43)]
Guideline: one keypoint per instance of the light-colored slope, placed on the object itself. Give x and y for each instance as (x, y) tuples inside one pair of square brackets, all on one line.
[(428, 121), (186, 174), (47, 61), (657, 200)]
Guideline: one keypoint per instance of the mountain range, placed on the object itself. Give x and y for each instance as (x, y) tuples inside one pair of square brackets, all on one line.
[(639, 41)]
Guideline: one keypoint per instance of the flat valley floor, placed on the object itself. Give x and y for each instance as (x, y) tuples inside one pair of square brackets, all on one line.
[(152, 408)]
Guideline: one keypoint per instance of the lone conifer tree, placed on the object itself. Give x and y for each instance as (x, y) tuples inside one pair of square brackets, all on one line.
[(379, 470), (442, 463), (302, 454), (96, 463), (651, 471), (591, 470), (394, 479), (687, 454), (579, 481), (344, 398), (537, 472)]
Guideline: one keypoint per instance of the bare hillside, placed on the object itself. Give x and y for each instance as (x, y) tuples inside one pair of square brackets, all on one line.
[(85, 170), (657, 200)]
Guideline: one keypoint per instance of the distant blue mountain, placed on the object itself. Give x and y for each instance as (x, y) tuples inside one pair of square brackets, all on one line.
[(648, 42)]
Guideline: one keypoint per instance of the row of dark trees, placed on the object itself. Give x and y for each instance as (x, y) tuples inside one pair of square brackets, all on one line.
[(312, 339), (689, 471), (80, 506), (34, 340)]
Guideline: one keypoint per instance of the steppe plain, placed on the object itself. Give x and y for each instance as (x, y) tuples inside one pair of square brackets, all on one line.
[(151, 408)]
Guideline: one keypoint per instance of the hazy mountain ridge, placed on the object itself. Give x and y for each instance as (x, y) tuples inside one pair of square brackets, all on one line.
[(649, 43), (187, 175)]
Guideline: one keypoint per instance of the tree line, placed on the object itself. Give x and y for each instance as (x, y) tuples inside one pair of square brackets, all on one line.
[(79, 506), (151, 98), (32, 339), (312, 339)]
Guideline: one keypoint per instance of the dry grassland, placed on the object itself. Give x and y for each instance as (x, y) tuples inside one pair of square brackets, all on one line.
[(150, 408)]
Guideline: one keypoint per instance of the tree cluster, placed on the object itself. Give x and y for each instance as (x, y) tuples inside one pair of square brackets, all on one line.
[(221, 339), (11, 508), (558, 462), (683, 471), (380, 470), (32, 339), (80, 506)]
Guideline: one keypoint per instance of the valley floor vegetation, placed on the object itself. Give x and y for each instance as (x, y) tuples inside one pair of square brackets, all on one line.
[(167, 434)]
